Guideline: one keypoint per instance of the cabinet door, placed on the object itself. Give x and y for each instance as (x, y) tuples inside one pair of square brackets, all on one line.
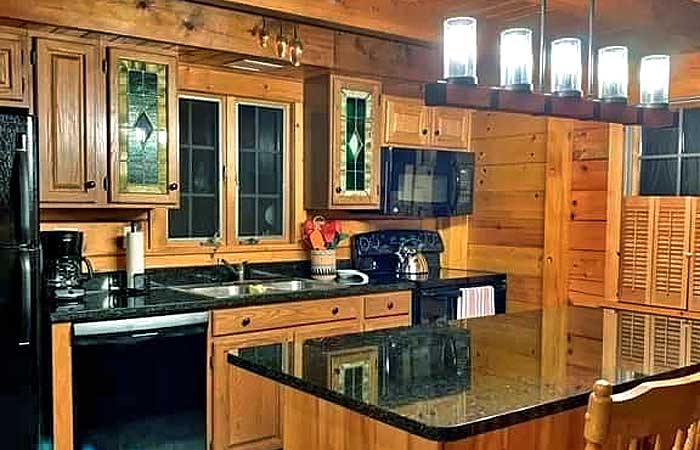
[(635, 249), (13, 68), (406, 122), (451, 128), (633, 342), (302, 334), (143, 149), (667, 343), (694, 263), (356, 142), (669, 278), (246, 409), (67, 95)]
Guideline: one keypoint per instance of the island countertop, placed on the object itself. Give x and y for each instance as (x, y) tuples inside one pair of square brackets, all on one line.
[(476, 375)]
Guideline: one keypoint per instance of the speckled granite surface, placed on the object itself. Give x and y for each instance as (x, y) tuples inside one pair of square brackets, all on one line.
[(506, 383)]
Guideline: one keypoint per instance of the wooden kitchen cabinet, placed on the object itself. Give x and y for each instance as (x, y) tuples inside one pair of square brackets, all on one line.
[(14, 68), (408, 122), (247, 409), (302, 334), (342, 142), (143, 123), (68, 84)]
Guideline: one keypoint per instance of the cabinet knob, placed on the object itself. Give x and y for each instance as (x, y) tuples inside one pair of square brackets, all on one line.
[(390, 305), (335, 311), (245, 322), (424, 131), (338, 189), (90, 185), (437, 132), (173, 187)]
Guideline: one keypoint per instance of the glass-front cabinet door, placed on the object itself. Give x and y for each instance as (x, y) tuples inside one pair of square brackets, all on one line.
[(143, 150), (355, 142)]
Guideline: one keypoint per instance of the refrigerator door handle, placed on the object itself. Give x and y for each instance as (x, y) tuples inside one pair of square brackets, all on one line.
[(26, 293), (23, 179)]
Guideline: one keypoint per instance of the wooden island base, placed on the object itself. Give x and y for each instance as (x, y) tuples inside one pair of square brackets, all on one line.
[(311, 423)]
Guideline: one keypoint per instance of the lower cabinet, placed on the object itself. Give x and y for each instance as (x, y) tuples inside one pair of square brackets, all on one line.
[(246, 410)]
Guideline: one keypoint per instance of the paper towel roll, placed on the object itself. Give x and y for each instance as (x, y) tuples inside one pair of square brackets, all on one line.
[(134, 259)]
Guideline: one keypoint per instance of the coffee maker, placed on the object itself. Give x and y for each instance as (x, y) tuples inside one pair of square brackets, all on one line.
[(63, 259)]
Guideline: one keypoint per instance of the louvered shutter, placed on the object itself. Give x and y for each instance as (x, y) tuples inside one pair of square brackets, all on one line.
[(694, 263), (670, 260), (633, 341), (667, 343), (635, 249), (693, 342)]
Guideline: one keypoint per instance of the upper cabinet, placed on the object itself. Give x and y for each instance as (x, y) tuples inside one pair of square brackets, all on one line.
[(81, 165), (143, 149), (67, 86), (14, 68), (342, 143), (408, 122)]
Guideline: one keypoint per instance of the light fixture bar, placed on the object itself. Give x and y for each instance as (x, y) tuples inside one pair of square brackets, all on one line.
[(543, 46), (591, 55)]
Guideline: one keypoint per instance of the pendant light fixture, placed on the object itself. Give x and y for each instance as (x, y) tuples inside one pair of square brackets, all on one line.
[(459, 50), (654, 81), (613, 74), (566, 67), (516, 59)]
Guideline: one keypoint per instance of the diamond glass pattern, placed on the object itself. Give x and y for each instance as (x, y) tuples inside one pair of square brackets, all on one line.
[(356, 144)]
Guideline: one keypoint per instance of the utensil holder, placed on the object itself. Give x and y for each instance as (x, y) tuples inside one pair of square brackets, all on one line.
[(323, 265)]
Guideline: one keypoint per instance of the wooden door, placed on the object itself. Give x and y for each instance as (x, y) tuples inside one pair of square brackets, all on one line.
[(302, 334), (635, 249), (694, 262), (14, 90), (246, 409), (355, 143), (451, 128), (67, 96), (693, 342), (406, 122), (669, 277), (143, 147), (667, 343)]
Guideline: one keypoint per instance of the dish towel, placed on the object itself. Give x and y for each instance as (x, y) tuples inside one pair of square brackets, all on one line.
[(476, 302)]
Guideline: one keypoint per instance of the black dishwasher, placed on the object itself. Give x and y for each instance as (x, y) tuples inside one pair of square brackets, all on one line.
[(141, 383)]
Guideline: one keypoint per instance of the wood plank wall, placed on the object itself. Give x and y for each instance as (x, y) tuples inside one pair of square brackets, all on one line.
[(506, 231)]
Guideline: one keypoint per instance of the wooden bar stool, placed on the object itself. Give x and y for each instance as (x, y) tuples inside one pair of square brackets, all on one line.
[(658, 415)]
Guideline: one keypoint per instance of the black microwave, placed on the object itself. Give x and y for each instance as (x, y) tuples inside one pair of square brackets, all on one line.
[(427, 183)]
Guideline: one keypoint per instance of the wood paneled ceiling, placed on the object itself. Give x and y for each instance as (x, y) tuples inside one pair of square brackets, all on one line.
[(668, 25)]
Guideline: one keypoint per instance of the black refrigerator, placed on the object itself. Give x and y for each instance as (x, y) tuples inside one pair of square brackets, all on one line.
[(21, 400)]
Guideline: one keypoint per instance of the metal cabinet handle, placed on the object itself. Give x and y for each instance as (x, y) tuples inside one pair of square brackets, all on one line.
[(90, 185), (424, 131), (338, 189), (245, 322), (437, 132), (173, 187), (335, 311), (390, 305)]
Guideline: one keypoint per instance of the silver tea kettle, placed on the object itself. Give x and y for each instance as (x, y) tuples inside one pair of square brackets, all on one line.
[(412, 263)]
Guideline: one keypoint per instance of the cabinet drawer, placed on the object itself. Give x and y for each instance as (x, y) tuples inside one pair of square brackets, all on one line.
[(284, 315), (394, 304)]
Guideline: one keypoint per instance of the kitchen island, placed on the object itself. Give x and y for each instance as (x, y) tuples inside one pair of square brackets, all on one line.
[(514, 381)]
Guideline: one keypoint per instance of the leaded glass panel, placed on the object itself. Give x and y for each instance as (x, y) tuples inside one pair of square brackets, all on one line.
[(356, 146), (143, 126)]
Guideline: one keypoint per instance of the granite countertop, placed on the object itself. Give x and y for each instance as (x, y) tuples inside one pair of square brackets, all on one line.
[(474, 376), (111, 305)]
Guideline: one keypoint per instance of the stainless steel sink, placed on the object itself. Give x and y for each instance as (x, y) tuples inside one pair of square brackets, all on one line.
[(253, 287)]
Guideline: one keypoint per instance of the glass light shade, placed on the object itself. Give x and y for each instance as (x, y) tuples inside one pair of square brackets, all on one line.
[(654, 80), (613, 73), (459, 49), (566, 67), (516, 59)]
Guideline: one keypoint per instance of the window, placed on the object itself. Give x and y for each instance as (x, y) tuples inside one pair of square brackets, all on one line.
[(669, 163), (199, 216), (261, 157)]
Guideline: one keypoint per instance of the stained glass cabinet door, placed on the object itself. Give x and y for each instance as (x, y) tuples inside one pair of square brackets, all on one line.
[(355, 142), (143, 150)]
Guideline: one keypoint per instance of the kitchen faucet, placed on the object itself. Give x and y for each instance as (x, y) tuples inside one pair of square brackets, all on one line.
[(237, 270)]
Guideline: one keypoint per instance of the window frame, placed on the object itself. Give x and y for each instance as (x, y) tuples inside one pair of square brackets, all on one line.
[(221, 172), (635, 146), (287, 193)]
